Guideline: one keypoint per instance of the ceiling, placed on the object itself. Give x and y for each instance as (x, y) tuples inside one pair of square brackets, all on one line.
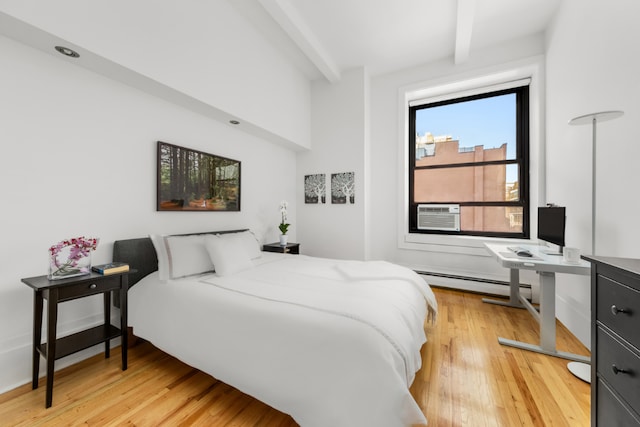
[(323, 38), (326, 37), (388, 35)]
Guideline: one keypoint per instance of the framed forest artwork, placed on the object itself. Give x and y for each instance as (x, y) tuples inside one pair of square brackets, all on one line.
[(190, 180)]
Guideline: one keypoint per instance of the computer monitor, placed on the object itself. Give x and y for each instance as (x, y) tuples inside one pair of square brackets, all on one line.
[(551, 225)]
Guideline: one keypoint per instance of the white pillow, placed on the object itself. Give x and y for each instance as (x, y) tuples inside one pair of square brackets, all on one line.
[(161, 252), (248, 240), (181, 256), (228, 255)]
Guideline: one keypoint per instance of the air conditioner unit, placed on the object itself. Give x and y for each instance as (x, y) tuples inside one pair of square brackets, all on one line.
[(439, 217)]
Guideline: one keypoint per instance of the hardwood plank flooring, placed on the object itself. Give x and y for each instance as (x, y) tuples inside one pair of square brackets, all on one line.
[(467, 379)]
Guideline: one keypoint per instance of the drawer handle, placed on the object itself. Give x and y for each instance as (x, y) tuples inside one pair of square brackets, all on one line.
[(617, 370), (93, 286), (615, 310)]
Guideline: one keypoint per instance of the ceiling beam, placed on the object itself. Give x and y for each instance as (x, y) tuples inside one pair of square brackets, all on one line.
[(464, 28), (298, 30)]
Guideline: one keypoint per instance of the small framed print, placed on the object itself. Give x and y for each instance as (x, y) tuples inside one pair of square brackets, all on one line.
[(343, 188), (315, 188)]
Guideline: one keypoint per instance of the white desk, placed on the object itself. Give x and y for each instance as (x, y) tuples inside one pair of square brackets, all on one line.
[(546, 266)]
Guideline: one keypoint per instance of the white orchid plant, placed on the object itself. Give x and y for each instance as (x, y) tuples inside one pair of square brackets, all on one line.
[(284, 225)]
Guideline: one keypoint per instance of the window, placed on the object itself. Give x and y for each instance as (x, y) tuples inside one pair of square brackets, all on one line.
[(472, 152)]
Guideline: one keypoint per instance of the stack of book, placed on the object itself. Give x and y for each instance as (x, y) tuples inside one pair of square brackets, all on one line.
[(111, 268)]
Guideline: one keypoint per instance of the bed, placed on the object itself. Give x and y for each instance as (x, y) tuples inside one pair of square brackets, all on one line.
[(329, 342)]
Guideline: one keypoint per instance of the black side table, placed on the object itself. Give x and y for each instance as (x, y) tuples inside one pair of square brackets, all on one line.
[(56, 291), (289, 248)]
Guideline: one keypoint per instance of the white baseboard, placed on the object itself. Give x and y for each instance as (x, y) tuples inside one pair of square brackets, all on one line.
[(471, 284)]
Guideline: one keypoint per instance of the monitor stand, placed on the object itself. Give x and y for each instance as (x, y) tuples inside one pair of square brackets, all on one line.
[(559, 252), (552, 253)]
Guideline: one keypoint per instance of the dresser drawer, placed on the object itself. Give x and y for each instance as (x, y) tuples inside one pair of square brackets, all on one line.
[(610, 411), (616, 307), (618, 272), (90, 287), (620, 367)]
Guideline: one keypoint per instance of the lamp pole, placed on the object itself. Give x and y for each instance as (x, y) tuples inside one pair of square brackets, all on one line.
[(594, 118), (580, 369)]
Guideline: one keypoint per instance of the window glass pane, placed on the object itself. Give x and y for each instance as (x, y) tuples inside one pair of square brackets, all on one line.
[(497, 219), (512, 184), (491, 183), (471, 131)]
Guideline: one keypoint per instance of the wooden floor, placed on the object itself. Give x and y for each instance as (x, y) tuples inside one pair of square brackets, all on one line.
[(467, 379)]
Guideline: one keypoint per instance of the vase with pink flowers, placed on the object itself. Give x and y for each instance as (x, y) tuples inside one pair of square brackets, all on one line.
[(71, 257)]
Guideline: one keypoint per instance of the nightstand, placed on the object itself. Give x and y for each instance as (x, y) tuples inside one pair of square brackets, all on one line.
[(57, 291), (289, 248)]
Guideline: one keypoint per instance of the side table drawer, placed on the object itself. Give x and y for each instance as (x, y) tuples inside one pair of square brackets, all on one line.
[(616, 307), (619, 366), (89, 288)]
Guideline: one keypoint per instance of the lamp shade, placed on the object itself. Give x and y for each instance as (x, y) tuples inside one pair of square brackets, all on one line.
[(602, 116)]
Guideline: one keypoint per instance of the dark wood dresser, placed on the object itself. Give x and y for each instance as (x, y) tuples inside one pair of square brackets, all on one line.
[(615, 341)]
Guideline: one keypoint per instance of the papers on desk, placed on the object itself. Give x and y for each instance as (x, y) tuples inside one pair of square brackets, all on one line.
[(513, 255)]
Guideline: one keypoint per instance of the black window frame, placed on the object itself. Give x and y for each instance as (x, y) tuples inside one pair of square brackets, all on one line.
[(521, 159)]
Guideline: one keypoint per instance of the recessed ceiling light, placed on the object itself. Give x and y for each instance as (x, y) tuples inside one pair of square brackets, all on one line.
[(234, 122), (68, 52)]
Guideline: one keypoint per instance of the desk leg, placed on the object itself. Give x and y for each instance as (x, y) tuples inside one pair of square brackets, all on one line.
[(52, 321), (37, 337), (514, 291), (546, 317), (548, 311)]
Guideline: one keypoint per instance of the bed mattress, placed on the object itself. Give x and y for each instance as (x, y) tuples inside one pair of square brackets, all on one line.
[(330, 342)]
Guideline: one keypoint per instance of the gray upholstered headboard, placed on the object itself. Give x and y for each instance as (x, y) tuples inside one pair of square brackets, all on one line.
[(141, 255)]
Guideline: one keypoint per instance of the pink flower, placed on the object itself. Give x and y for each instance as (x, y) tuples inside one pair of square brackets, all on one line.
[(79, 247)]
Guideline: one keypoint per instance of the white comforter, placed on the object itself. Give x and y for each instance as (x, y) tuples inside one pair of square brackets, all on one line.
[(332, 343)]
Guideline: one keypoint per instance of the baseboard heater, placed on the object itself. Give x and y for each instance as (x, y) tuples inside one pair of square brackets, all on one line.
[(482, 286)]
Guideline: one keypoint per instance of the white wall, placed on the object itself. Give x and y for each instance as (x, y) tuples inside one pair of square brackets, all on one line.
[(593, 65), (356, 126), (340, 140), (79, 158), (203, 49)]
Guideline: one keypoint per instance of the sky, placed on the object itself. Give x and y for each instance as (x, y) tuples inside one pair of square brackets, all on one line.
[(490, 122)]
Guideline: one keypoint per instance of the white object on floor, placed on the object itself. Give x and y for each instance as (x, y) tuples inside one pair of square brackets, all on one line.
[(580, 370)]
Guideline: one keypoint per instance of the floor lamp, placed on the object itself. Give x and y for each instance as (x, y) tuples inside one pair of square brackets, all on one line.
[(579, 369)]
